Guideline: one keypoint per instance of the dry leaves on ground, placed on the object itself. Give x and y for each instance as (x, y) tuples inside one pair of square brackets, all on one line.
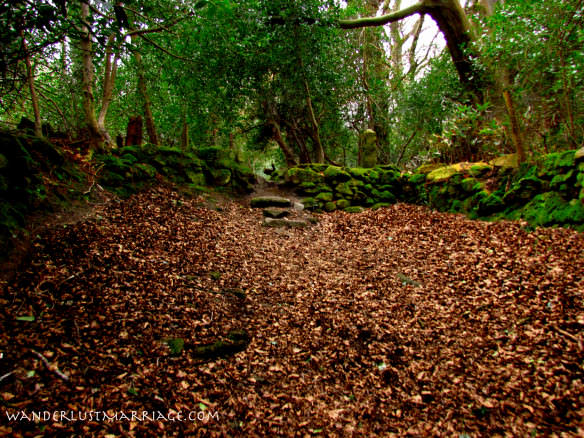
[(395, 322)]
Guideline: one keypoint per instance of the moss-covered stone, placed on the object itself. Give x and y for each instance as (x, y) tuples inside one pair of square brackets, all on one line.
[(480, 169), (221, 177), (560, 182), (389, 176), (270, 201), (551, 208), (470, 185), (510, 161), (380, 205), (330, 206), (490, 204), (417, 178), (325, 197), (428, 167), (579, 155), (368, 148), (297, 175), (443, 173), (523, 190), (335, 175), (343, 203), (354, 209), (344, 190), (309, 203)]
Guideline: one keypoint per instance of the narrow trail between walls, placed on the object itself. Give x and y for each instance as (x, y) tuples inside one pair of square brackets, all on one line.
[(395, 322)]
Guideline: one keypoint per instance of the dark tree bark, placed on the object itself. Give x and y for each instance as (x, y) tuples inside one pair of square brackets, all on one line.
[(454, 25), (134, 131)]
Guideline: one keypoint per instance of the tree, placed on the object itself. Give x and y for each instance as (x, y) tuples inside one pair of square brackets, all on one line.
[(452, 22)]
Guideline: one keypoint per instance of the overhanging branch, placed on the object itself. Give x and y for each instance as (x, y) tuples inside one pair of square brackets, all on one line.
[(382, 19)]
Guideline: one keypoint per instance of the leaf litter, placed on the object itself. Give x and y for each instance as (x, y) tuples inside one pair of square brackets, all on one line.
[(395, 322)]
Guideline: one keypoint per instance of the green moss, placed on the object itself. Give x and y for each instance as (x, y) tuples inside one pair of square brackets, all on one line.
[(298, 175), (221, 177), (325, 197), (417, 178), (470, 185), (389, 176), (354, 209), (562, 179), (380, 205), (342, 204), (509, 161), (344, 190), (428, 167), (309, 203), (330, 206), (336, 174), (490, 204), (442, 174), (523, 190), (480, 169)]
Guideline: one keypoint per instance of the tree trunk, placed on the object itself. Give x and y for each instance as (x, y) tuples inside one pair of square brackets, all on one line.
[(288, 154), (454, 25), (109, 79), (143, 89), (38, 127), (95, 136), (134, 131)]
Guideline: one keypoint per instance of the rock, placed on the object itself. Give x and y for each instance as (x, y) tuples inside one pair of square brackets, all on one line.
[(342, 204), (298, 206), (368, 148), (442, 174), (221, 177), (276, 213), (335, 174), (510, 161), (344, 189), (325, 197), (297, 175), (380, 205), (270, 201), (480, 169), (330, 206), (428, 167), (291, 223), (579, 155), (355, 209)]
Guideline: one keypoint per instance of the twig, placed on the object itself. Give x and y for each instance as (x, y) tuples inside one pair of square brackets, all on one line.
[(6, 375), (50, 367)]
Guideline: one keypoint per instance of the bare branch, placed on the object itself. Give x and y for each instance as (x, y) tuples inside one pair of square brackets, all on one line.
[(382, 19)]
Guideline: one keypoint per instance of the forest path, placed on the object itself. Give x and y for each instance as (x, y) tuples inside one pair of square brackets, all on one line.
[(400, 320)]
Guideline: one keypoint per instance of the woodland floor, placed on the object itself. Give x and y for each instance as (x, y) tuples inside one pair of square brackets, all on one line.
[(395, 322)]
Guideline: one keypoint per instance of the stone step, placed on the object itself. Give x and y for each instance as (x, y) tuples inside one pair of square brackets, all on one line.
[(270, 201), (276, 213), (283, 222)]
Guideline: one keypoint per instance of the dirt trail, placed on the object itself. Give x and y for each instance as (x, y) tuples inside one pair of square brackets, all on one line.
[(397, 321)]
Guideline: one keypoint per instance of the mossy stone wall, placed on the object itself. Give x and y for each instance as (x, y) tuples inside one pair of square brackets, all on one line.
[(547, 192)]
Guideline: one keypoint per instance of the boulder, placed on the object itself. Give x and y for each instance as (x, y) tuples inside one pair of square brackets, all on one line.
[(336, 174), (368, 148), (270, 201)]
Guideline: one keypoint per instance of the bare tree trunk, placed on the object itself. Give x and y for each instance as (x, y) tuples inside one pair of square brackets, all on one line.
[(143, 89), (288, 154), (454, 25), (108, 85), (318, 149), (95, 136), (38, 127)]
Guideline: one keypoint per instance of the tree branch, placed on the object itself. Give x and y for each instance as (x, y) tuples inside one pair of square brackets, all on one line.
[(382, 19)]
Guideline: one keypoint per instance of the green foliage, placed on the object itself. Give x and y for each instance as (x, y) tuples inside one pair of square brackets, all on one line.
[(541, 45)]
